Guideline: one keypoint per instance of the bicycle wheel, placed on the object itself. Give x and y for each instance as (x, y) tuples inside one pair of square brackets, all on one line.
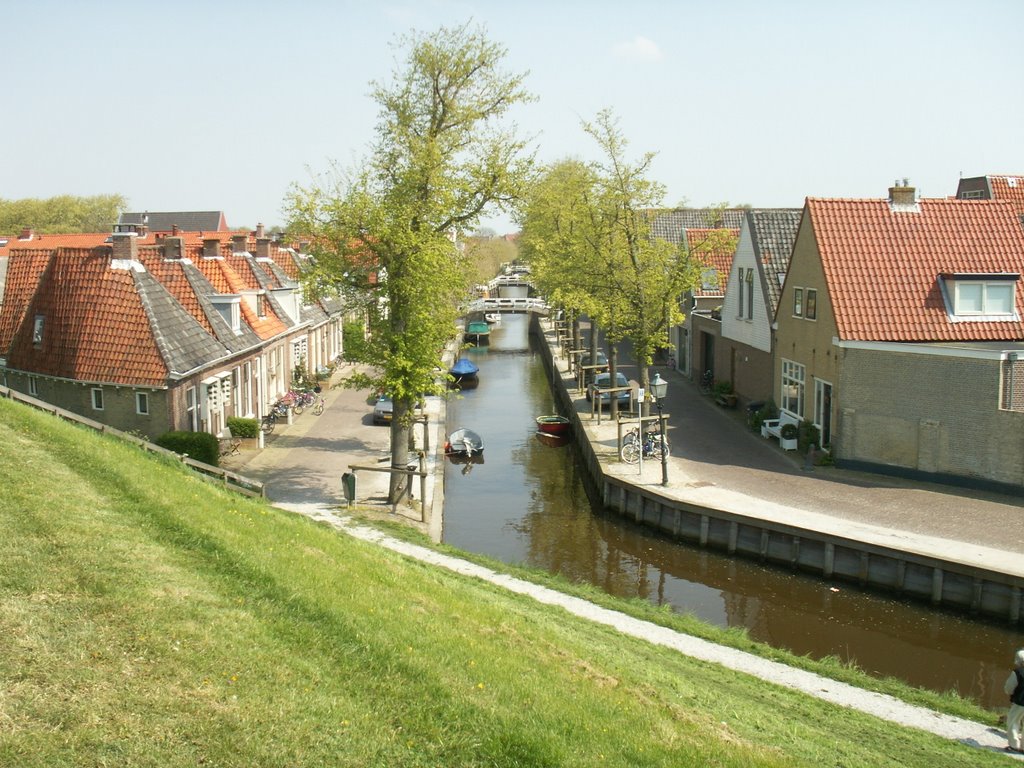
[(297, 407), (267, 425), (630, 452), (659, 446), (319, 407)]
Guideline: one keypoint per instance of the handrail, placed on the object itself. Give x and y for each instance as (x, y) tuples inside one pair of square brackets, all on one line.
[(231, 480)]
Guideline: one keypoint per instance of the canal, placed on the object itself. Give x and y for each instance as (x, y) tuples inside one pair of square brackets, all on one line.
[(527, 504)]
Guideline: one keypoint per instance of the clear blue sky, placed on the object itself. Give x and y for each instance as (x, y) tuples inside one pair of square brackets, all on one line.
[(222, 105)]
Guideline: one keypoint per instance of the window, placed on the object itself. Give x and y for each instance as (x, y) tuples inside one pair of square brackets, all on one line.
[(750, 293), (33, 386), (811, 310), (971, 194), (97, 399), (983, 298), (192, 409), (798, 302), (142, 403), (37, 331), (792, 387), (741, 281)]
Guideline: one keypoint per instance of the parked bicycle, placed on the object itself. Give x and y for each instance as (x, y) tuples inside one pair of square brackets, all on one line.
[(318, 405), (653, 446), (707, 382), (278, 410)]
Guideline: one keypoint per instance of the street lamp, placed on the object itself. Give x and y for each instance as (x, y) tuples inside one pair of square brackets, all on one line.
[(659, 388)]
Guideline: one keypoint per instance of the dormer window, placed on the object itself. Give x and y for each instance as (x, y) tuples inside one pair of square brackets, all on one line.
[(985, 297), (230, 309)]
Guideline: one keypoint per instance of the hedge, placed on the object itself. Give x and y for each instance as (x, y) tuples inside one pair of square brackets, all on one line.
[(201, 446)]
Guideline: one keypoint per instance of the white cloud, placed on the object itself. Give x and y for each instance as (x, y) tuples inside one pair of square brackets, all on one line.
[(639, 48)]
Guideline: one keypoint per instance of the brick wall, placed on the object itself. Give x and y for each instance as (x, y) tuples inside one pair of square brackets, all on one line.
[(936, 414)]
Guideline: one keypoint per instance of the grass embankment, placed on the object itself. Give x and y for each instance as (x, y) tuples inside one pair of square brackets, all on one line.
[(148, 618)]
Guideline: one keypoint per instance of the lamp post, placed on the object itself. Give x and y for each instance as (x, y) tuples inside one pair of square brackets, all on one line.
[(659, 388)]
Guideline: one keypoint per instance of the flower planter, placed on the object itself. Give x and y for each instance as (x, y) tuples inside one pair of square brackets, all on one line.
[(788, 445)]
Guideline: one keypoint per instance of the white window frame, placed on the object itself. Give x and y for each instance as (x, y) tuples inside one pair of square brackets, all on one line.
[(33, 386), (38, 326), (192, 408), (750, 294), (142, 403), (959, 303), (798, 302), (793, 381), (741, 281), (96, 393)]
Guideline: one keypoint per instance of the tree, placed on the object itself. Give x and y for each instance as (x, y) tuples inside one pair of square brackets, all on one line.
[(62, 214), (441, 159)]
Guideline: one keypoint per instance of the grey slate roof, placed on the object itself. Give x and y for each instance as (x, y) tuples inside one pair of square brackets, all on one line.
[(773, 232), (204, 289), (669, 225), (183, 343), (186, 221)]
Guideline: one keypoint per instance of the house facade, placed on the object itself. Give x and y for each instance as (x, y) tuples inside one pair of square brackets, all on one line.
[(751, 298), (898, 334), (151, 333)]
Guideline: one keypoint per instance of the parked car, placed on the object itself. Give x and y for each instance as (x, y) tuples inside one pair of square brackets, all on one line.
[(383, 410), (602, 381), (585, 359)]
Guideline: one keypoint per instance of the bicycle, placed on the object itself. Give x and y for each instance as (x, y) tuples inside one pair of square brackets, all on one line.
[(278, 410), (707, 382), (653, 446), (318, 406)]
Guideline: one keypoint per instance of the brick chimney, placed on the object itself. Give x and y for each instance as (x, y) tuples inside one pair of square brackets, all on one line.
[(174, 248), (26, 233), (238, 243), (211, 247), (262, 247), (125, 246), (902, 196), (259, 231)]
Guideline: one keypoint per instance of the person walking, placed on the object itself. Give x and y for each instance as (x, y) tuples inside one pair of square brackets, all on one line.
[(1014, 686)]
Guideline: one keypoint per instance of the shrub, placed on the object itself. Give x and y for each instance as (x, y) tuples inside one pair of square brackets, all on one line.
[(201, 446), (243, 427), (809, 435), (722, 388), (789, 432), (766, 411)]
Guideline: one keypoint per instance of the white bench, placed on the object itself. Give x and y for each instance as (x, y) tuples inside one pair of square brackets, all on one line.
[(773, 428)]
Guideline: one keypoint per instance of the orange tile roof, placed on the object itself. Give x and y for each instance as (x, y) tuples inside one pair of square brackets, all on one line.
[(96, 328), (24, 271), (882, 267), (1009, 188), (716, 248)]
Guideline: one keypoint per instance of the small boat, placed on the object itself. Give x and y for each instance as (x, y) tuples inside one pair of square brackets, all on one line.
[(465, 373), (553, 425), (478, 331), (465, 442), (493, 318)]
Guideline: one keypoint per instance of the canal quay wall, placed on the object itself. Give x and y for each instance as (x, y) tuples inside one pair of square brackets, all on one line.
[(949, 574)]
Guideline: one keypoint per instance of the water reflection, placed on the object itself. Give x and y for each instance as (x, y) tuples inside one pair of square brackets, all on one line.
[(528, 504)]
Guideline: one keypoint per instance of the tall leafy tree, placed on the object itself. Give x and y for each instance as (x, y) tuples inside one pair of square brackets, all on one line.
[(442, 157), (61, 214)]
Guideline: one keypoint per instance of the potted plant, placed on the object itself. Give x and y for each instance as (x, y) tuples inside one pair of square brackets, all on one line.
[(724, 395), (789, 437)]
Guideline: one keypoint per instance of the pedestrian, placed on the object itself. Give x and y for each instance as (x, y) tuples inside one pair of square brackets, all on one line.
[(1014, 686)]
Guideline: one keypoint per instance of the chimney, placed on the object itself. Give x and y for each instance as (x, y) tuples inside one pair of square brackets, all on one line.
[(26, 233), (211, 247), (125, 246), (262, 247), (174, 230), (902, 195), (238, 243), (259, 231), (174, 248)]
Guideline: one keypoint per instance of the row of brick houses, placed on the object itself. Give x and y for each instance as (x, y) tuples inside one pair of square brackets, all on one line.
[(151, 332), (894, 325)]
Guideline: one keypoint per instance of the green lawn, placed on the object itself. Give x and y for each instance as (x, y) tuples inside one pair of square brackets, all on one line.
[(149, 618)]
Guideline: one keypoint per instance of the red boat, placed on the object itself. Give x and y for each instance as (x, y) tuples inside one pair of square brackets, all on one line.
[(553, 425)]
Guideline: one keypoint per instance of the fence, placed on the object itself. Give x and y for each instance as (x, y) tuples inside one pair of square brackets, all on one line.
[(230, 480)]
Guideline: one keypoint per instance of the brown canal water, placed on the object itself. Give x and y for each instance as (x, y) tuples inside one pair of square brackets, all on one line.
[(526, 503)]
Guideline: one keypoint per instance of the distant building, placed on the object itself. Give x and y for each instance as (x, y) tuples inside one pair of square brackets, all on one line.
[(184, 221)]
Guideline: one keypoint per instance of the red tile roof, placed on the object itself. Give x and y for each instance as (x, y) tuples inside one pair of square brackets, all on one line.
[(715, 248), (882, 267), (1009, 188), (96, 328)]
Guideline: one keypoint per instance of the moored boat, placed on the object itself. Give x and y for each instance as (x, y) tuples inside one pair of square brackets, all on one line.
[(464, 442), (464, 373), (478, 331), (553, 425)]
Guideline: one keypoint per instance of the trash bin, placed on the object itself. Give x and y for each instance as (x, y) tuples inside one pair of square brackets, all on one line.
[(348, 486)]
